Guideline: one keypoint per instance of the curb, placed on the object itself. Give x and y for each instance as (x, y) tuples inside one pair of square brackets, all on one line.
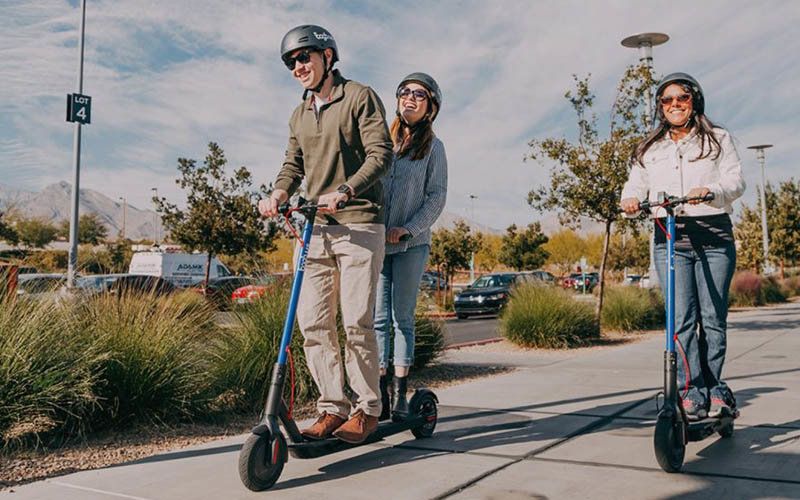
[(474, 343), (440, 315)]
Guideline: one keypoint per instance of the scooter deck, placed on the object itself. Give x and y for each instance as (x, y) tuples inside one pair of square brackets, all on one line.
[(313, 449), (701, 429)]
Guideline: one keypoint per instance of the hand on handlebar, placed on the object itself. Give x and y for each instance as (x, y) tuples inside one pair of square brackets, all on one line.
[(331, 202), (630, 206), (397, 234), (269, 207), (699, 195)]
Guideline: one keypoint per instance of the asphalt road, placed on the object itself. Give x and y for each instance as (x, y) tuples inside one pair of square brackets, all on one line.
[(474, 329)]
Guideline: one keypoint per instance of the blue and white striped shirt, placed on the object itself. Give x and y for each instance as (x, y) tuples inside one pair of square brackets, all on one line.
[(414, 195)]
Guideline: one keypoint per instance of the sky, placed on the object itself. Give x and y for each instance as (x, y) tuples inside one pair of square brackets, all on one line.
[(166, 78)]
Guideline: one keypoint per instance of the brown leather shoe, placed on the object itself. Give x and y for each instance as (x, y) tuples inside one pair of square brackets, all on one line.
[(357, 429), (323, 427)]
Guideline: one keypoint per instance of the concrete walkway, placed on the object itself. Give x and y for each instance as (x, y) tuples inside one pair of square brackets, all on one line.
[(568, 425)]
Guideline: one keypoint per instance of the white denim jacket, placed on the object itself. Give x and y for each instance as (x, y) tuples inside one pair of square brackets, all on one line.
[(671, 167)]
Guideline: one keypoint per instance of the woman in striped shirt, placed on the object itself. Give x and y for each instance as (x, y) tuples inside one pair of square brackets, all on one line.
[(414, 195)]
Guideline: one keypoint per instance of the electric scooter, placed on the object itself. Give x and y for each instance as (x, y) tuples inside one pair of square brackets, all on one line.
[(266, 450), (673, 428)]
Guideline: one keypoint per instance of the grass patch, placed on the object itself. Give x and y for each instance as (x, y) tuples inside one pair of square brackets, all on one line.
[(543, 316), (629, 309)]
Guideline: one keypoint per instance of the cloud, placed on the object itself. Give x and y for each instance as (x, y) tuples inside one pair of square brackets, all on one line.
[(168, 77)]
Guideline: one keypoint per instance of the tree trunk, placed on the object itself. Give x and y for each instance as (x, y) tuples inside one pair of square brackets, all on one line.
[(602, 281), (208, 271), (783, 269)]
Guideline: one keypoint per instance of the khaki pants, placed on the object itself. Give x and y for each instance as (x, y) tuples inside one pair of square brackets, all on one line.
[(343, 264)]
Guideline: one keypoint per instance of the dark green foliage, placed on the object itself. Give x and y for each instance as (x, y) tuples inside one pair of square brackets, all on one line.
[(523, 250)]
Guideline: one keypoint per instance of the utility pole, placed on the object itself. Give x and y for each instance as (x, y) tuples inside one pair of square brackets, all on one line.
[(472, 199), (764, 231)]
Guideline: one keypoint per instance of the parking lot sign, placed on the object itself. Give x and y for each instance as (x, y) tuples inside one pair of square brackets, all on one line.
[(79, 108)]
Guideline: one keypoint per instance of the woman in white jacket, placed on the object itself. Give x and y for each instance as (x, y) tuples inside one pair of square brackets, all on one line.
[(687, 155)]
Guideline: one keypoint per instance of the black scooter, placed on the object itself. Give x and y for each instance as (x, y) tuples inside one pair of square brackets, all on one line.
[(673, 428), (265, 452)]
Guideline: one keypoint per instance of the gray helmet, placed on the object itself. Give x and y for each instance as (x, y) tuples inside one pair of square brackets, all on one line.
[(698, 99), (429, 83), (308, 36)]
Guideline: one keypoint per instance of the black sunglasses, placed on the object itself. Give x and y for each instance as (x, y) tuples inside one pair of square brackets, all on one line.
[(667, 100), (417, 94), (303, 58)]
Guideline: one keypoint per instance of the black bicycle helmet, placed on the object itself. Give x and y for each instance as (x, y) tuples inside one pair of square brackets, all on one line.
[(308, 36), (698, 99), (429, 83)]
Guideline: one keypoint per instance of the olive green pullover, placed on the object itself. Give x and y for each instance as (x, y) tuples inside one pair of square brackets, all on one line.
[(345, 142)]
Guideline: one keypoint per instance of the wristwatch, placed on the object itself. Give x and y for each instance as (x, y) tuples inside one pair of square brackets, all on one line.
[(345, 189)]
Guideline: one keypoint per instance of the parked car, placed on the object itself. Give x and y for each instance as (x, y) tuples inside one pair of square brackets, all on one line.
[(248, 293), (40, 285), (569, 281), (539, 276), (589, 279), (632, 280), (141, 284), (432, 281), (219, 291), (486, 295), (96, 283)]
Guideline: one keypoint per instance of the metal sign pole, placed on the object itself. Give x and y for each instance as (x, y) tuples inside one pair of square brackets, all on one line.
[(76, 168)]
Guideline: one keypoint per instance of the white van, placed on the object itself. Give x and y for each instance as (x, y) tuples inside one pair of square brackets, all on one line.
[(181, 269)]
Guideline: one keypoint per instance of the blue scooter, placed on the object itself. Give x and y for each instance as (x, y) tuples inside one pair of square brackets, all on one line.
[(266, 450), (673, 428)]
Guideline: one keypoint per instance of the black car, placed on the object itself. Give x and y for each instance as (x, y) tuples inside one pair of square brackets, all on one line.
[(487, 295)]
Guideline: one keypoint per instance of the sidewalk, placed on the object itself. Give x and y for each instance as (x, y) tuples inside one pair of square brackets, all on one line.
[(576, 424)]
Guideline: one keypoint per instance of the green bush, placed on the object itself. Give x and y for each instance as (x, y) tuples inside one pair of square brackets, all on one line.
[(630, 309), (771, 291), (157, 362), (247, 351), (47, 370), (542, 316), (428, 336)]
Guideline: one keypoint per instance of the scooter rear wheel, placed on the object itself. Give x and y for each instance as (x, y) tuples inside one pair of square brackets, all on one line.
[(425, 406), (669, 446), (261, 461)]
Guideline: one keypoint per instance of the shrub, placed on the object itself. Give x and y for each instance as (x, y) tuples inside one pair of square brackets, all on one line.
[(247, 351), (428, 336), (630, 309), (542, 316), (750, 289), (790, 286), (157, 361), (47, 370), (745, 289)]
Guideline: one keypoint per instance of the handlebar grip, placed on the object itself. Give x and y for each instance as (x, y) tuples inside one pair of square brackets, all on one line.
[(341, 205), (284, 208), (405, 237), (708, 197)]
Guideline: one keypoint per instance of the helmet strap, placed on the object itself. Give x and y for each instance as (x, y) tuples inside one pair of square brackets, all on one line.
[(321, 80)]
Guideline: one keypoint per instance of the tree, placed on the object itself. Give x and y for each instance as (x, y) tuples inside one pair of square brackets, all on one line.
[(91, 229), (7, 231), (452, 249), (221, 215), (487, 258), (783, 219), (629, 251), (587, 177), (36, 232), (749, 253), (564, 249), (523, 250)]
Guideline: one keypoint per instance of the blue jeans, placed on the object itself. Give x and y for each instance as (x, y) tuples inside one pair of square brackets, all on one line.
[(702, 279), (398, 285)]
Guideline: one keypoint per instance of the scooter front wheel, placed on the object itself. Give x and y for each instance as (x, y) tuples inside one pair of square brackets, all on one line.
[(261, 460), (669, 446)]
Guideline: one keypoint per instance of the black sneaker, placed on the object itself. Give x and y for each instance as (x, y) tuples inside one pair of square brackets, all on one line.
[(694, 410)]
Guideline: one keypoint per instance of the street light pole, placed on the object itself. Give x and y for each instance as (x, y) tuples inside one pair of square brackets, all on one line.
[(645, 42), (764, 231), (155, 217), (72, 261), (472, 199)]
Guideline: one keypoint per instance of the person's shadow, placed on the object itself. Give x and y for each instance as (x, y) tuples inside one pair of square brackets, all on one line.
[(470, 430)]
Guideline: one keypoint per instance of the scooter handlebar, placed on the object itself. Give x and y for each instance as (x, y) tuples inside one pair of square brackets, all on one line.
[(672, 201), (305, 207)]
